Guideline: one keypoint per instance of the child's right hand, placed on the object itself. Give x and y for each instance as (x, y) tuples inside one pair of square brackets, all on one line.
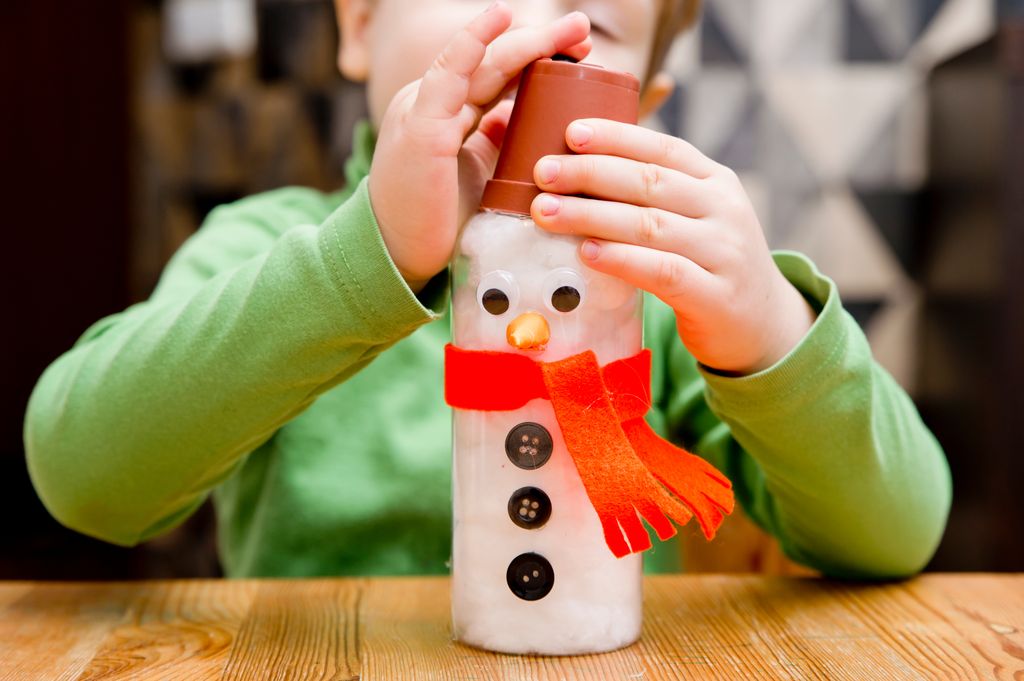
[(438, 141)]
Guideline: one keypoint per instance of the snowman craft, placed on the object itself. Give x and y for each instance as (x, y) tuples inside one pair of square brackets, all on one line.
[(554, 465)]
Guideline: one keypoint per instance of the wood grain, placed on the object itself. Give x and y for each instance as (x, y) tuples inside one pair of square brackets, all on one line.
[(696, 627)]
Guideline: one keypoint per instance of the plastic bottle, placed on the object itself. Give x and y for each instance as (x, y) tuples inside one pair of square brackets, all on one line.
[(531, 572)]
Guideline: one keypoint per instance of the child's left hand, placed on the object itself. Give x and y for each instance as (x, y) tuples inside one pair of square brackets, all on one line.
[(669, 220)]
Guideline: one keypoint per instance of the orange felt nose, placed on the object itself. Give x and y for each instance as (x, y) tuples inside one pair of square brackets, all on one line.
[(528, 331)]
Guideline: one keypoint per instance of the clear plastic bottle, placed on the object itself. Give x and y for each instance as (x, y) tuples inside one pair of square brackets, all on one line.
[(531, 572)]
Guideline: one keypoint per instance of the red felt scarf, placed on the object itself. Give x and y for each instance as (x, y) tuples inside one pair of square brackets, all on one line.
[(627, 470)]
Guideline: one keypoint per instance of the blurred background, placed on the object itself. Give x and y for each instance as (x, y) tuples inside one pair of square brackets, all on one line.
[(885, 138)]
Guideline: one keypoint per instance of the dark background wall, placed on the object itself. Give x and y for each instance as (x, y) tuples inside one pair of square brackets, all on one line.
[(973, 323), (113, 155), (64, 126)]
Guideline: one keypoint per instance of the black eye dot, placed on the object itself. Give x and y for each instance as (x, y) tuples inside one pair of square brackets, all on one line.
[(495, 301), (565, 299)]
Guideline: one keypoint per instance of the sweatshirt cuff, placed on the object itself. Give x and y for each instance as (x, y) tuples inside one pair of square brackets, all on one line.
[(362, 265), (794, 376)]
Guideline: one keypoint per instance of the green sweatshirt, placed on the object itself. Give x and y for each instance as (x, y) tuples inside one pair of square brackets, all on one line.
[(283, 364)]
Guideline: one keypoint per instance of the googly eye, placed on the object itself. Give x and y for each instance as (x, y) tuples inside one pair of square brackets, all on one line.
[(564, 290), (498, 292), (565, 299)]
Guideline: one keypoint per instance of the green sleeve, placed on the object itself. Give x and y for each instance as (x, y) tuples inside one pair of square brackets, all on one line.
[(266, 307), (825, 450)]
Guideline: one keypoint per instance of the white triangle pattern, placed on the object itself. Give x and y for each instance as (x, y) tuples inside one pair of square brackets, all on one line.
[(714, 106), (893, 22), (835, 113), (893, 335), (736, 19), (959, 25), (839, 236), (796, 31)]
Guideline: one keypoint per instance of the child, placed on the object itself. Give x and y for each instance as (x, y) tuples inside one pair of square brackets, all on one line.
[(291, 359)]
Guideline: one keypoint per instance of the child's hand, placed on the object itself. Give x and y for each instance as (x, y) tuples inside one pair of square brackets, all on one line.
[(436, 147), (679, 225)]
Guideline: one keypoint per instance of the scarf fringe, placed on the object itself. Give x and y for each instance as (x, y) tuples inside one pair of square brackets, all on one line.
[(628, 471), (704, 490)]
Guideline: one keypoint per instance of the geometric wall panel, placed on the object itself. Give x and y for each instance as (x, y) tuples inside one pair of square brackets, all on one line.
[(820, 106), (796, 33), (838, 234), (957, 26), (836, 113)]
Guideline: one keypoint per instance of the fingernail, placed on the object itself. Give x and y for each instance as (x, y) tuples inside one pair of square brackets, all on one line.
[(547, 170), (549, 205), (493, 6), (590, 249), (580, 133)]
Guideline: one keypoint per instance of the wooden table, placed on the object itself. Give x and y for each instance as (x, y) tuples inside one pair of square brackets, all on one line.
[(730, 627)]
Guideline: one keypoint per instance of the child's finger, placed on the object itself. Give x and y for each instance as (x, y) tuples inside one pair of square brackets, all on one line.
[(444, 88), (494, 123), (599, 136), (623, 179), (626, 223), (580, 50), (484, 143), (671, 277), (512, 52)]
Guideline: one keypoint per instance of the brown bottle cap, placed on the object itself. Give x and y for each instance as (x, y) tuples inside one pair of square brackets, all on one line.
[(553, 94)]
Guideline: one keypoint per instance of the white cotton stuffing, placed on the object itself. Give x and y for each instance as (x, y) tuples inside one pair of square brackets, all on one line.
[(595, 602)]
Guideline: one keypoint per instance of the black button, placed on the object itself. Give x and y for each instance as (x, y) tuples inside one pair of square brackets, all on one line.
[(529, 508), (529, 445), (530, 576)]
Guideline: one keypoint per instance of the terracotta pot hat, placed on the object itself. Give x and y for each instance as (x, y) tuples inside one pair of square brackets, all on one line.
[(552, 94)]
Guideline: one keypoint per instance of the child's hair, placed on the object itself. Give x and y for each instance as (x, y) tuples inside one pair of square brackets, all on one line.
[(674, 17)]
